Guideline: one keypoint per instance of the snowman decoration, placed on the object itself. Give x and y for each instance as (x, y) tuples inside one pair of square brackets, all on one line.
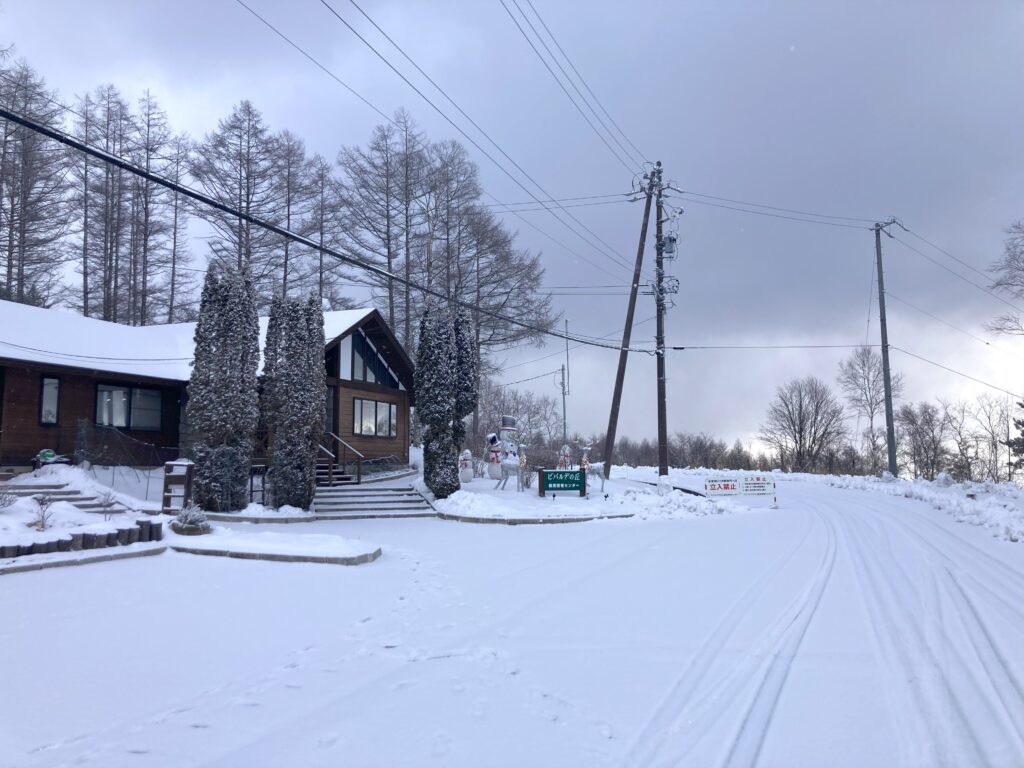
[(466, 467), (502, 451)]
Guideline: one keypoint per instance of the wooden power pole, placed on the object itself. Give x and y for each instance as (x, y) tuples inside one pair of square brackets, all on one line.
[(627, 332)]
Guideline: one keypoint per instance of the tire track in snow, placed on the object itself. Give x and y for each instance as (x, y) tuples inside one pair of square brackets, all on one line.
[(767, 660), (645, 747), (749, 738), (936, 730), (1000, 687)]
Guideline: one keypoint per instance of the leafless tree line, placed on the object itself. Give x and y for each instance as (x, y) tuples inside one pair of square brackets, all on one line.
[(810, 430), (82, 233)]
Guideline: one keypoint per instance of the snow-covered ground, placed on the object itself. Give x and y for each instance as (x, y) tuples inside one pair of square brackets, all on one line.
[(852, 626)]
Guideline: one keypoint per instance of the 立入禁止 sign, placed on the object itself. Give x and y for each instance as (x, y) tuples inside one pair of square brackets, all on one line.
[(748, 485)]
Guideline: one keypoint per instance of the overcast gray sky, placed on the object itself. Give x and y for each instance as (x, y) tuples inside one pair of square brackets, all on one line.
[(860, 109)]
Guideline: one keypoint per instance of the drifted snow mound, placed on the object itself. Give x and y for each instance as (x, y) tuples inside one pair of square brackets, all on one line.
[(672, 504), (998, 507)]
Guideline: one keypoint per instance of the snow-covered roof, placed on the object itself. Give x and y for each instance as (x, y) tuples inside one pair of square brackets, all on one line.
[(66, 338)]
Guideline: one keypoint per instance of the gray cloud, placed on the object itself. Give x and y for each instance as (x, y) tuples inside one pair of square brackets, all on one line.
[(860, 109)]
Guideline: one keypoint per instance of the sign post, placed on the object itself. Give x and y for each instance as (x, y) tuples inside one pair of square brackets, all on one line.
[(561, 480)]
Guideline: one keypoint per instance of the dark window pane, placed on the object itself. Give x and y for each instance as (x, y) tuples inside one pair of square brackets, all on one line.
[(330, 396), (394, 420), (357, 416), (383, 417), (145, 409), (358, 367)]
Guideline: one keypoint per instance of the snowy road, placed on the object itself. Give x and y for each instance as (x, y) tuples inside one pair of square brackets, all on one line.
[(846, 628)]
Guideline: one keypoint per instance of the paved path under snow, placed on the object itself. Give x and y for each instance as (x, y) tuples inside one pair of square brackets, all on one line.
[(846, 628)]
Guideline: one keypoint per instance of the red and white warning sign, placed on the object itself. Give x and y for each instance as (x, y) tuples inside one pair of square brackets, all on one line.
[(744, 485)]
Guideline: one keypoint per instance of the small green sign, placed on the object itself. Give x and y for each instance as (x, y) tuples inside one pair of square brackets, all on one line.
[(552, 480)]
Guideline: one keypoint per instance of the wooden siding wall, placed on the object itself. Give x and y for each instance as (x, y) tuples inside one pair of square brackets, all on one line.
[(22, 436), (373, 447)]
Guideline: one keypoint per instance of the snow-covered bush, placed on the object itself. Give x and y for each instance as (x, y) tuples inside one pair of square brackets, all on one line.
[(7, 499), (43, 512), (222, 405), (190, 520)]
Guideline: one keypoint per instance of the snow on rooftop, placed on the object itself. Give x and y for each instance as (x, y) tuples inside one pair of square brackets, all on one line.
[(66, 338)]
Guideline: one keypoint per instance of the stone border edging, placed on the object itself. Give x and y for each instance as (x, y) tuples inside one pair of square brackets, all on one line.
[(410, 473), (367, 557), (312, 517), (528, 520), (120, 555)]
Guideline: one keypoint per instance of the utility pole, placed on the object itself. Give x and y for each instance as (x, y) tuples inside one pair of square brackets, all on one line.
[(890, 429), (659, 338), (565, 387), (620, 374), (565, 437)]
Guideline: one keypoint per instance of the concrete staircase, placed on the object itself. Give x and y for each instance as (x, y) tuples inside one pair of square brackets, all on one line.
[(60, 492), (323, 475), (362, 501)]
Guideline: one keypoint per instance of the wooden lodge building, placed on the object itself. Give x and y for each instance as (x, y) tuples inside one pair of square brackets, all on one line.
[(89, 388)]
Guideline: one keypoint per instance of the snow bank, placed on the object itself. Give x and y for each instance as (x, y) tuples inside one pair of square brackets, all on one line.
[(480, 499), (271, 543), (998, 507), (77, 479)]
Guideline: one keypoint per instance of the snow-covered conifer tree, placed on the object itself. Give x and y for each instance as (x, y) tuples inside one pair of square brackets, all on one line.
[(222, 406), (467, 357), (435, 400), (293, 397)]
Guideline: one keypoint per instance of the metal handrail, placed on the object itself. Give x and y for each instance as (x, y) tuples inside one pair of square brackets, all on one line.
[(330, 465), (357, 453), (345, 447)]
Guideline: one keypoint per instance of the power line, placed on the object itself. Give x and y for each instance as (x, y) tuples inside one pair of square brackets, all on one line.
[(120, 162), (948, 324), (774, 215), (584, 82), (774, 346), (609, 253), (559, 352), (958, 373), (625, 163), (774, 207), (570, 205), (956, 274), (316, 63), (945, 252), (564, 199), (71, 355), (532, 378)]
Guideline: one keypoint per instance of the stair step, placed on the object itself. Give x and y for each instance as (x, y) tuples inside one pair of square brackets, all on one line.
[(368, 502), (334, 511), (363, 491), (26, 489)]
